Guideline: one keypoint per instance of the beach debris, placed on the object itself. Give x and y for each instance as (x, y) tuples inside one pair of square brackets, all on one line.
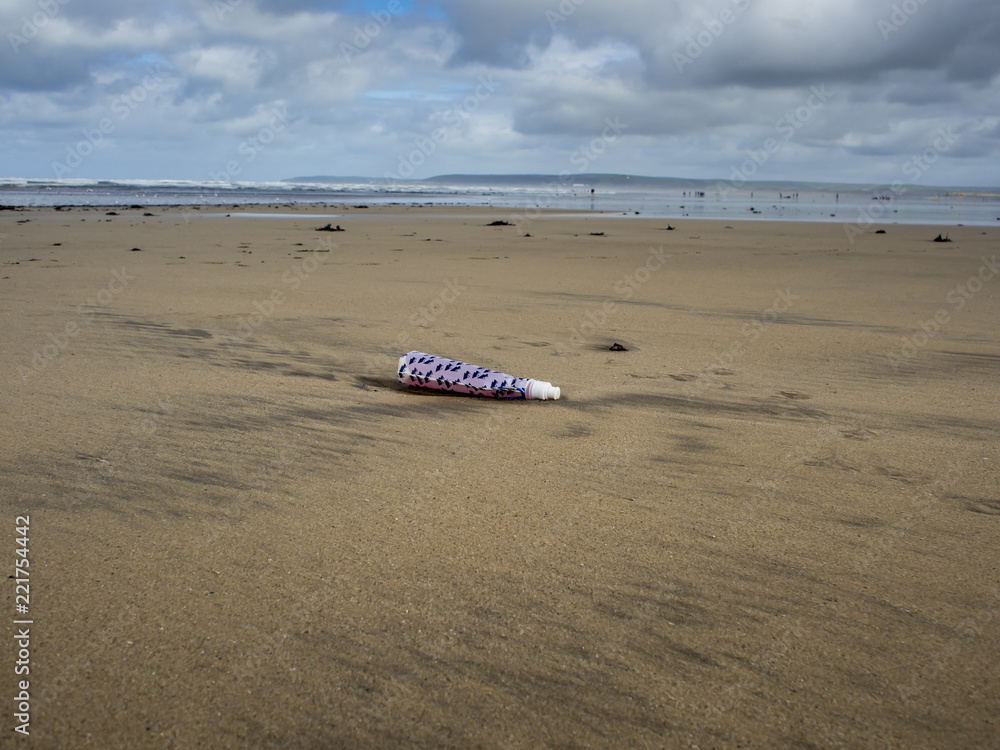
[(499, 223), (939, 238), (597, 234), (111, 213), (616, 347), (669, 228), (329, 228), (136, 250), (417, 369), (880, 231), (526, 234), (88, 457)]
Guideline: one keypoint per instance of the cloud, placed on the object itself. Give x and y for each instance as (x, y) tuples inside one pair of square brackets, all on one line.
[(757, 43), (364, 80)]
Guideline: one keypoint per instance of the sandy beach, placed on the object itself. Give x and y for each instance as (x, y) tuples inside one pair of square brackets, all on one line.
[(773, 521)]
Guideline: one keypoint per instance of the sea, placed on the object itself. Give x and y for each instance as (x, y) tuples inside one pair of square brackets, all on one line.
[(623, 195)]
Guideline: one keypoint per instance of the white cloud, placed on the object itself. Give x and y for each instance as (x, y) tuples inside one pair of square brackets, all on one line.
[(361, 92), (234, 67)]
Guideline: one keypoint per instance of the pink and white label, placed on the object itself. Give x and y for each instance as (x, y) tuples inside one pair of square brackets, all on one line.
[(421, 370)]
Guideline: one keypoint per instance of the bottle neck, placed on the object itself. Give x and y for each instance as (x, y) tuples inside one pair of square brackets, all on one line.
[(541, 390)]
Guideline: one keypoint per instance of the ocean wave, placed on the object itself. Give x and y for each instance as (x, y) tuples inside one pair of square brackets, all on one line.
[(678, 202)]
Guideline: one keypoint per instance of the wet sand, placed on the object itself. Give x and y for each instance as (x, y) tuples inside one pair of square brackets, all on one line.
[(773, 521)]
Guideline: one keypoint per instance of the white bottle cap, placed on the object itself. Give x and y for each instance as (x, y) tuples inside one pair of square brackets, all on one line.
[(539, 389)]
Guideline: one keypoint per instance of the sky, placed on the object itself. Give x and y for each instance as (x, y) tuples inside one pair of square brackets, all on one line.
[(853, 91)]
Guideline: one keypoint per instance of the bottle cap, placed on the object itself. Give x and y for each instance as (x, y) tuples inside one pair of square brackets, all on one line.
[(539, 389)]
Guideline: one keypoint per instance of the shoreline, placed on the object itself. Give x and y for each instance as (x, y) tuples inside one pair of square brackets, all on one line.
[(906, 205), (304, 210)]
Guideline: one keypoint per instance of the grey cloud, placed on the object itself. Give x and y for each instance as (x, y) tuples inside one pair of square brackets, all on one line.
[(583, 114), (762, 50), (497, 34), (285, 7), (38, 69), (57, 45), (566, 67), (745, 42)]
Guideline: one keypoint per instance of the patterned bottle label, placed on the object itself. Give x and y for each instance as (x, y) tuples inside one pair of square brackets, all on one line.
[(421, 370)]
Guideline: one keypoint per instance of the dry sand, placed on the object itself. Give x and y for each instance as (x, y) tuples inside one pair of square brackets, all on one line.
[(773, 521)]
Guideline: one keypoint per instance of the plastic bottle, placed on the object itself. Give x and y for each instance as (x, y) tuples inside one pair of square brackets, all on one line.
[(421, 370)]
